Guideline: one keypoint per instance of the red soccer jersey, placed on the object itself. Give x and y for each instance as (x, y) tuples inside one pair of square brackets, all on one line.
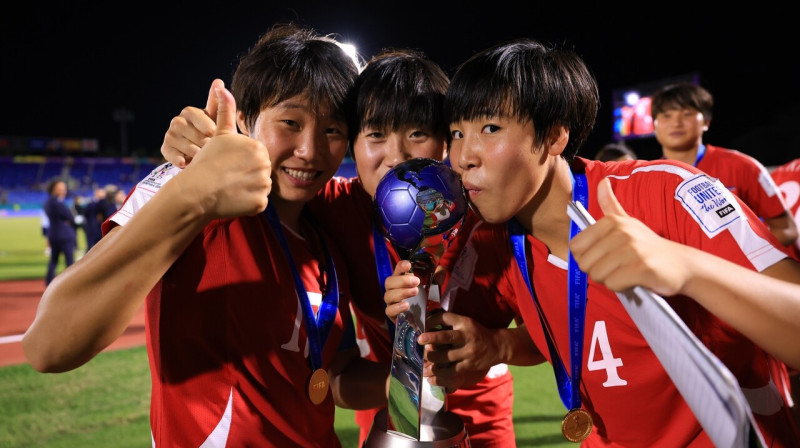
[(746, 177), (226, 338), (623, 385), (787, 177), (486, 407)]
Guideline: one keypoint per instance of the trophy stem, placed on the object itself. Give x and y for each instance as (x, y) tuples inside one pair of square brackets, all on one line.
[(414, 404)]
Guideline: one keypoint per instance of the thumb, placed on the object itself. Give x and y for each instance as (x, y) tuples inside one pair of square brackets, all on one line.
[(212, 103), (607, 200), (226, 111)]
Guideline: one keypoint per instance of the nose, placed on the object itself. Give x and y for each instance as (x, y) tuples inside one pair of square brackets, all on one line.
[(464, 154), (309, 142), (397, 150)]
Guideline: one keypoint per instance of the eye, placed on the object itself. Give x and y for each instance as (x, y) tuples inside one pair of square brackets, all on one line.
[(490, 129), (334, 131), (418, 134), (377, 135), (291, 123), (456, 135)]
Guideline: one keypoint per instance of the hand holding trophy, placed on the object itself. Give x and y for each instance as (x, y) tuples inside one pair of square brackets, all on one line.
[(420, 205)]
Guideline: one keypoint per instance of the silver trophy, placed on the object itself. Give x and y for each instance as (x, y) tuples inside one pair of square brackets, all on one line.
[(421, 205)]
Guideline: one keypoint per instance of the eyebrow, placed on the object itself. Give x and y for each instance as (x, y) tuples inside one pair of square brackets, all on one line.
[(289, 104)]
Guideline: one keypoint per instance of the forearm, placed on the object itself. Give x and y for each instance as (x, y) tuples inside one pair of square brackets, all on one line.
[(362, 384), (764, 309), (515, 347), (90, 304), (784, 228)]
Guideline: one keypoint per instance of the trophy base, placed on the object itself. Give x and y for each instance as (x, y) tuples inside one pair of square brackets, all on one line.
[(447, 429)]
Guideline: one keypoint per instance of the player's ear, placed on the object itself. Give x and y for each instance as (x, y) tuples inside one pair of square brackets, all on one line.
[(241, 123), (557, 140)]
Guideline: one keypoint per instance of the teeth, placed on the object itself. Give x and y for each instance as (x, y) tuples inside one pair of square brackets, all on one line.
[(302, 175)]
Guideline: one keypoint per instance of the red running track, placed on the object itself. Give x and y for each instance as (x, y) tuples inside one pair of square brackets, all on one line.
[(18, 302)]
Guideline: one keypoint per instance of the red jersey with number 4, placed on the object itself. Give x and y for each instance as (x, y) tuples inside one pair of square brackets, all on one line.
[(631, 398)]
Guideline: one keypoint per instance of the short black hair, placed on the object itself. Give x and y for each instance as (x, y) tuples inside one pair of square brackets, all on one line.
[(399, 87), (289, 60), (682, 95), (530, 81)]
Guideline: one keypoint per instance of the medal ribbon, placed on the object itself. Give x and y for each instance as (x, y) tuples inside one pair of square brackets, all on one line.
[(384, 266), (568, 386), (318, 327)]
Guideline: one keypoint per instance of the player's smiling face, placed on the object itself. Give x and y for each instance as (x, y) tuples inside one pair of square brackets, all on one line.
[(305, 146), (377, 151)]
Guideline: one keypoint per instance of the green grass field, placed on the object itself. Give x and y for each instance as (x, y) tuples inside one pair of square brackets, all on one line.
[(105, 402)]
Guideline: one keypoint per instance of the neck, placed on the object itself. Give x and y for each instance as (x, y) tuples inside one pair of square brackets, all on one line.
[(289, 212), (545, 217), (685, 155)]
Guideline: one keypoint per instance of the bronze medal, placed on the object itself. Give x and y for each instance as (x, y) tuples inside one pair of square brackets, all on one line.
[(318, 386), (577, 425)]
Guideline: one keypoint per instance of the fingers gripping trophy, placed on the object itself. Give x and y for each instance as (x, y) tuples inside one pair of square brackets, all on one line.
[(420, 204)]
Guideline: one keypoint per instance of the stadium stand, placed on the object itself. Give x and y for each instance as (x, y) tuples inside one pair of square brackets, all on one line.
[(23, 179)]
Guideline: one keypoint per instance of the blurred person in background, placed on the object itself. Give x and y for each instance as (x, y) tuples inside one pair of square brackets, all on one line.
[(95, 213), (119, 198), (681, 114), (45, 227), (787, 177), (61, 231), (615, 152)]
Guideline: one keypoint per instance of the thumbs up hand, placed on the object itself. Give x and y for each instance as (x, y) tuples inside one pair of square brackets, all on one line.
[(622, 252), (191, 130), (231, 175)]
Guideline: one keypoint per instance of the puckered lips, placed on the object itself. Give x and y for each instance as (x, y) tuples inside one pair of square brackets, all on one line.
[(472, 190)]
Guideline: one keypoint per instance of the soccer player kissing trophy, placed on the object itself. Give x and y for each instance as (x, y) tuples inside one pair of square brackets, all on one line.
[(420, 204)]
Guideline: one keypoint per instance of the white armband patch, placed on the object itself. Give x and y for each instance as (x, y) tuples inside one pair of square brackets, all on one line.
[(159, 176), (709, 203), (144, 191)]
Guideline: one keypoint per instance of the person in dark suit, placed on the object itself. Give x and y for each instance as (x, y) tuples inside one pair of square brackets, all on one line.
[(61, 233), (95, 214)]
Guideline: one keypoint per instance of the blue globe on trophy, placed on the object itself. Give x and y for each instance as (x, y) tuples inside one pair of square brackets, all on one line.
[(419, 199)]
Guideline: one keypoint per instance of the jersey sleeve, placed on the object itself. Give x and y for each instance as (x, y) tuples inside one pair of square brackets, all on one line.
[(140, 195), (690, 207), (764, 197)]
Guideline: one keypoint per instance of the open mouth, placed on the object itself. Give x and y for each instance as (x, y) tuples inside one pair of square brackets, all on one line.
[(302, 175)]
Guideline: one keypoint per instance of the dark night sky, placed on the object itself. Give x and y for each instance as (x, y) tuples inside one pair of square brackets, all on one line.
[(66, 66)]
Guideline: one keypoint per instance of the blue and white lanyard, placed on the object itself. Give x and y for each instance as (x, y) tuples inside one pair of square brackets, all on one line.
[(568, 385), (318, 327)]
